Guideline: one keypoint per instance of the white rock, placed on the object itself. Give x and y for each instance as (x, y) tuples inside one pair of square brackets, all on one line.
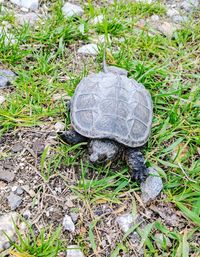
[(145, 1), (29, 4), (81, 28), (125, 221), (7, 226), (172, 12), (30, 18), (152, 186), (161, 240), (179, 19), (90, 49), (27, 214), (155, 17), (98, 19), (14, 201), (59, 126), (189, 5), (167, 29), (68, 224), (70, 10), (74, 251), (2, 99), (99, 39), (62, 96)]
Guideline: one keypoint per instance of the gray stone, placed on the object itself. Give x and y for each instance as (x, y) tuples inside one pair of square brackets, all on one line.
[(167, 29), (155, 17), (125, 221), (189, 5), (81, 28), (17, 148), (68, 224), (29, 4), (6, 77), (27, 214), (179, 19), (14, 201), (152, 186), (145, 1), (2, 99), (97, 19), (100, 39), (74, 251), (5, 175), (172, 12), (70, 10), (161, 240), (30, 18), (7, 225), (59, 126), (74, 216), (19, 191), (90, 49)]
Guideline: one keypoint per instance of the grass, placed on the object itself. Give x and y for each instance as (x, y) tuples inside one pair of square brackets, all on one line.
[(169, 69)]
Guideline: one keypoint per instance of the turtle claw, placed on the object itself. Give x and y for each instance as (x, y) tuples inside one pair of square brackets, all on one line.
[(140, 176), (71, 137)]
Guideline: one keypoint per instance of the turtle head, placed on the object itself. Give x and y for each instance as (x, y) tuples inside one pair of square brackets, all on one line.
[(103, 150), (117, 70)]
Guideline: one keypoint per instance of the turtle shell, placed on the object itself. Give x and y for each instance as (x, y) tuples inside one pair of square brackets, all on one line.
[(112, 106)]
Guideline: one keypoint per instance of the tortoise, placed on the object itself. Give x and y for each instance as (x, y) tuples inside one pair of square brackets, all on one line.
[(113, 113)]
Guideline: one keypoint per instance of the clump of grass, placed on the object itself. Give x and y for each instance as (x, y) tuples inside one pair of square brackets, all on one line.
[(47, 243)]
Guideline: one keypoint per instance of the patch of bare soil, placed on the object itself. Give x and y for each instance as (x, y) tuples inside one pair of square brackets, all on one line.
[(46, 203)]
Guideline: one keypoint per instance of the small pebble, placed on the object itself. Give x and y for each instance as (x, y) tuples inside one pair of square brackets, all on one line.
[(90, 49), (5, 175), (17, 148), (155, 17), (161, 240), (167, 29), (98, 19), (189, 5), (6, 77), (74, 216), (14, 201), (2, 99), (74, 251), (27, 214), (59, 126), (70, 10), (172, 12), (30, 18), (7, 225), (29, 4), (68, 224), (125, 221)]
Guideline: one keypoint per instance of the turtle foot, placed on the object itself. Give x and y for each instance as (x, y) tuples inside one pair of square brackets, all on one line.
[(71, 137), (140, 176)]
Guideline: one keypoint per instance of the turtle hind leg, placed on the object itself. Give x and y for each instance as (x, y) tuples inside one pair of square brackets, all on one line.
[(71, 137), (135, 161)]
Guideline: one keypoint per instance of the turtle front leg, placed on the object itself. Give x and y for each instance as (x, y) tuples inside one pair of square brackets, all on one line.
[(135, 161), (72, 137)]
